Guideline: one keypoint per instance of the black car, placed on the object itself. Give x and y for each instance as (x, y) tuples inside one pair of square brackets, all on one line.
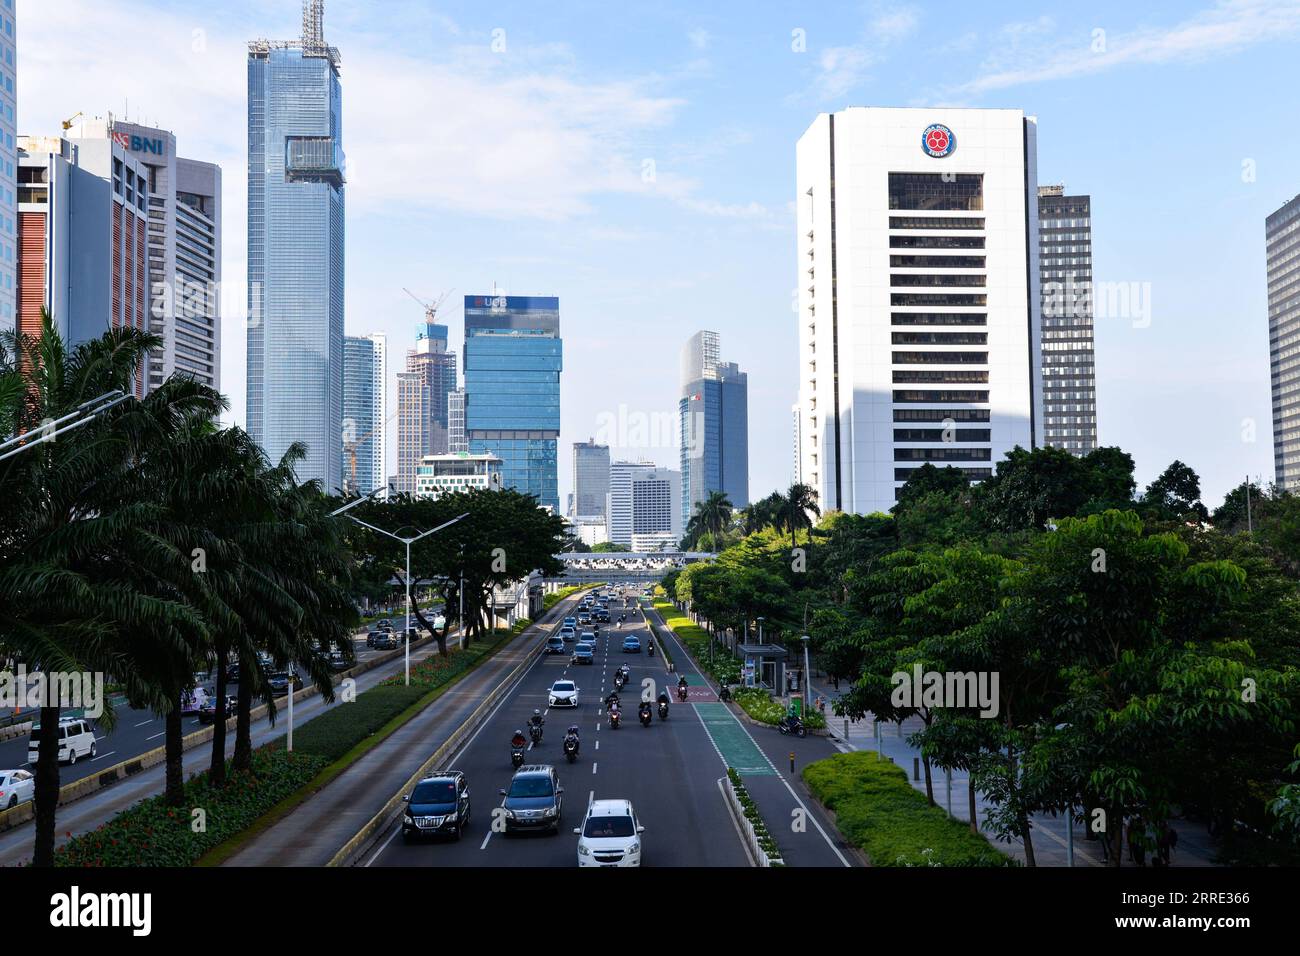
[(602, 616), (279, 682), (534, 801), (439, 805), (386, 641), (338, 661), (208, 711)]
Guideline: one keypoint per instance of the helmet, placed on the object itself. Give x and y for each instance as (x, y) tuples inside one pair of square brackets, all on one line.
[(536, 712)]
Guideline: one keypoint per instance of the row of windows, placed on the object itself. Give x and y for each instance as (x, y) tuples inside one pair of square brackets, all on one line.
[(942, 434), (943, 454), (919, 396), (970, 280), (936, 242), (940, 358), (938, 262), (939, 298), (941, 414), (938, 318), (938, 377), (941, 191), (935, 222), (939, 338), (974, 474)]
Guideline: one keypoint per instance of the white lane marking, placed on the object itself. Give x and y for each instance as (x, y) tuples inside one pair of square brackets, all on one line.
[(156, 736), (597, 743), (102, 756), (143, 722), (483, 845), (593, 767)]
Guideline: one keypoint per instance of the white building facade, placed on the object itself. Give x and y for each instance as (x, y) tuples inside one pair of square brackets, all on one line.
[(919, 304), (442, 474)]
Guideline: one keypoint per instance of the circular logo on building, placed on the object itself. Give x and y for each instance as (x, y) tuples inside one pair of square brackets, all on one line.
[(938, 141)]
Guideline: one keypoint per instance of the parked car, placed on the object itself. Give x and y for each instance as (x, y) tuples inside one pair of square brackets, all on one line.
[(16, 786), (535, 799), (438, 805), (631, 644), (554, 645), (564, 693), (610, 835), (76, 740), (208, 712)]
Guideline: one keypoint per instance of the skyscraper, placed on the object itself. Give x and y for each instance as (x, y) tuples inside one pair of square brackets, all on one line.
[(8, 166), (513, 359), (919, 310), (1069, 369), (82, 221), (365, 379), (590, 479), (422, 402), (456, 440), (1282, 248), (295, 249), (184, 242), (640, 495), (714, 425)]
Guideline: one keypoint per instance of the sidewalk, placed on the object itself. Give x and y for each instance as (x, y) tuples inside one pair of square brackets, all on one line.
[(1195, 847)]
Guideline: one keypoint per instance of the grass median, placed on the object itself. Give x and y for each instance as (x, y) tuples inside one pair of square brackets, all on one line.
[(880, 813)]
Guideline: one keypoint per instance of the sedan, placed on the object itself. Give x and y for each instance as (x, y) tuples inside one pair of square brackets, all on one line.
[(16, 786), (279, 682), (631, 645), (208, 712), (554, 645), (583, 654)]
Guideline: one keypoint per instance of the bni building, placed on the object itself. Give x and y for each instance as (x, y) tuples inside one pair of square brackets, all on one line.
[(917, 238), (713, 425), (513, 359), (1282, 248), (295, 249)]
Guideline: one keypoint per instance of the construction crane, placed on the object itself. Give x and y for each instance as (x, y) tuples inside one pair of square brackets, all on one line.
[(67, 123), (430, 308), (350, 486)]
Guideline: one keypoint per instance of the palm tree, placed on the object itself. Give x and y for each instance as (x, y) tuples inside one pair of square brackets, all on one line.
[(714, 513), (800, 500)]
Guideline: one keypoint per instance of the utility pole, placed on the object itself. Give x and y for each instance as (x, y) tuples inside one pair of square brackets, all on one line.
[(1250, 525)]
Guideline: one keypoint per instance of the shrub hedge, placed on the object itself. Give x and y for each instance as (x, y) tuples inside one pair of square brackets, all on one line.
[(879, 812)]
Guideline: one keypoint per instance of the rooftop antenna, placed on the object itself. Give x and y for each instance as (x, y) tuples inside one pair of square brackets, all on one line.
[(313, 31)]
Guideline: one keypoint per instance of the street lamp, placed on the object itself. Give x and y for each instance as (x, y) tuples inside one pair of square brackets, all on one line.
[(807, 676), (406, 636), (85, 413)]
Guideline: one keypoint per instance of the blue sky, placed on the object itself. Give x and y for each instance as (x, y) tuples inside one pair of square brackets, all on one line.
[(637, 160)]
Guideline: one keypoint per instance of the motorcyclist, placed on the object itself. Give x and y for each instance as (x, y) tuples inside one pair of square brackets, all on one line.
[(572, 734), (650, 648), (536, 721), (518, 740), (612, 700), (644, 709)]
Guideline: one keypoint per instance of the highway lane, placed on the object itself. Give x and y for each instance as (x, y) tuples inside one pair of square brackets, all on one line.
[(134, 733), (670, 771), (92, 810)]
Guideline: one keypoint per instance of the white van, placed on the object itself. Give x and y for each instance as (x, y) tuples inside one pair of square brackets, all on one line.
[(76, 740)]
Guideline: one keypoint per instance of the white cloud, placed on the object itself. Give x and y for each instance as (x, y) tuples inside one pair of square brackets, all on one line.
[(1229, 27), (841, 69), (699, 38)]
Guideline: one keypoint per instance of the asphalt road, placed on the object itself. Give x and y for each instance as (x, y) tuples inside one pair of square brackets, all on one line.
[(134, 733), (669, 770)]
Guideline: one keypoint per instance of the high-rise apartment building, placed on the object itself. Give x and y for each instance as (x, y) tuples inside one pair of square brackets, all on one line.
[(8, 166), (513, 360), (82, 248), (295, 249), (1068, 360), (365, 379), (713, 425), (590, 479), (1282, 249), (422, 401), (919, 307)]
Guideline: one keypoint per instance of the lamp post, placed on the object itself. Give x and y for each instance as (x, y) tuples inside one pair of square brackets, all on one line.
[(406, 642), (807, 676)]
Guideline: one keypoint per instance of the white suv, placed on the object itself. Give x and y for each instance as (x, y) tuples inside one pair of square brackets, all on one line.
[(610, 836), (564, 693)]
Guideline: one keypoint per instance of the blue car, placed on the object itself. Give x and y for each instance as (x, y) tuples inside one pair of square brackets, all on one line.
[(632, 645)]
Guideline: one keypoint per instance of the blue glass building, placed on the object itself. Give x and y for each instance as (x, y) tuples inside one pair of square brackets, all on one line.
[(714, 426), (513, 359), (363, 432), (295, 250)]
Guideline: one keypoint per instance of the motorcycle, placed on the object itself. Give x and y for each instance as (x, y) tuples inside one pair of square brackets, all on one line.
[(571, 748), (645, 715), (535, 731), (792, 725), (650, 649), (724, 693), (614, 718), (619, 680), (516, 756), (681, 692), (663, 710)]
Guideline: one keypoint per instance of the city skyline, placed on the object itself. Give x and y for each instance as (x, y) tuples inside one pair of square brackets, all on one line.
[(731, 187)]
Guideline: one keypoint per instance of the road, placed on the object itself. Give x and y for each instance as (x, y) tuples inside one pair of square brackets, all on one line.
[(135, 732), (671, 771)]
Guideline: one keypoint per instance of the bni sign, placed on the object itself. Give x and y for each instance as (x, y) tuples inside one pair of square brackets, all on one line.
[(138, 144), (938, 141)]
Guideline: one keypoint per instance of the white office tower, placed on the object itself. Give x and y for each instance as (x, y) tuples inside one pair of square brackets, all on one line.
[(918, 297)]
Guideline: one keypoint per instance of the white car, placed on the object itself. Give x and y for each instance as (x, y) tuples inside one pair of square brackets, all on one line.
[(76, 739), (16, 786), (564, 693), (610, 836)]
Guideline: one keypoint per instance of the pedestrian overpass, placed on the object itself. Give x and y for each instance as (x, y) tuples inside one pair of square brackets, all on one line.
[(642, 566)]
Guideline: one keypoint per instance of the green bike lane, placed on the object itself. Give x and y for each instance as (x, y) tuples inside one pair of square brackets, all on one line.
[(797, 822)]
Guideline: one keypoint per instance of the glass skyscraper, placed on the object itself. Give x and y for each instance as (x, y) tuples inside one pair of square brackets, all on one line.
[(513, 359), (8, 166), (295, 249), (364, 434), (714, 426)]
